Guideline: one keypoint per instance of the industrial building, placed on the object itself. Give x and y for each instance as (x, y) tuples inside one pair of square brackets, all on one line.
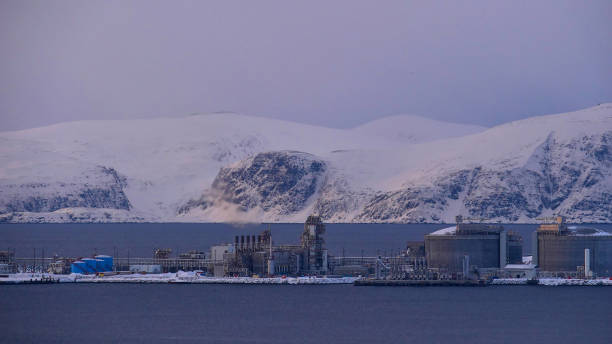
[(163, 261), (558, 247), (146, 268), (257, 254), (7, 261), (468, 246)]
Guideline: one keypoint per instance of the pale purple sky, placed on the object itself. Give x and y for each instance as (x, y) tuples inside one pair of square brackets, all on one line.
[(332, 63)]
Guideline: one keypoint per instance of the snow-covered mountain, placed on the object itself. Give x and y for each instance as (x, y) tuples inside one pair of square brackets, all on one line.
[(229, 167), (414, 129)]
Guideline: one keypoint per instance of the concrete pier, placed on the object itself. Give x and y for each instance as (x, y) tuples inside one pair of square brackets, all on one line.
[(419, 283)]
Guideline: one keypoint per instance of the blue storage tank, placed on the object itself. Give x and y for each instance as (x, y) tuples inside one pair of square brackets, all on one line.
[(108, 262), (100, 266), (78, 267), (91, 264), (87, 267)]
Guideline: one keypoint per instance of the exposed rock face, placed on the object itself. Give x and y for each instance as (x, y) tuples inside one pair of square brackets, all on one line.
[(567, 178), (338, 201), (571, 179), (101, 188), (280, 182)]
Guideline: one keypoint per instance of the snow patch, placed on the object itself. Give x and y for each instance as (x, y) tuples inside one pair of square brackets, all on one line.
[(445, 231)]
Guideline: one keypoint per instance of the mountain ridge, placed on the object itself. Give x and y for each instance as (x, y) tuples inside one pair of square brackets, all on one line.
[(515, 172)]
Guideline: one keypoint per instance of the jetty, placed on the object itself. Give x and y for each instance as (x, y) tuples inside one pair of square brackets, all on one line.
[(419, 283)]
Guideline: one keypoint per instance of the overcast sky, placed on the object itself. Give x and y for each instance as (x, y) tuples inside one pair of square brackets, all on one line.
[(333, 63)]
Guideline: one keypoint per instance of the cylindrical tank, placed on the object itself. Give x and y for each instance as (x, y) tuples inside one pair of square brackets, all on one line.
[(87, 267), (91, 264), (100, 265), (565, 252), (448, 251), (108, 262), (78, 267)]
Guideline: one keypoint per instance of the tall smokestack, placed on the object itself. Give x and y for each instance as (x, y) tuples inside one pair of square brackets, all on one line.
[(587, 263), (466, 266), (271, 259)]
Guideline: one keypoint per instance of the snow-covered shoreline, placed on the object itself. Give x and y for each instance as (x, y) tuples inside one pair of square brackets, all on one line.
[(179, 277), (193, 278), (554, 282)]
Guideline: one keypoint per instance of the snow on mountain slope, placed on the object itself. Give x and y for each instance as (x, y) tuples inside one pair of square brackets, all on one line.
[(415, 129), (163, 163), (228, 167), (558, 164)]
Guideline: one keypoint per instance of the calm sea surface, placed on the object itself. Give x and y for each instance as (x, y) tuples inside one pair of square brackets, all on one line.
[(161, 313)]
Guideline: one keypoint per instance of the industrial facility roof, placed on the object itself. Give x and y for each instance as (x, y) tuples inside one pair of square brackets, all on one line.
[(588, 231), (519, 266), (445, 231)]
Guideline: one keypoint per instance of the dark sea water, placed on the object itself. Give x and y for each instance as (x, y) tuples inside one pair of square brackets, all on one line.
[(141, 239), (161, 313)]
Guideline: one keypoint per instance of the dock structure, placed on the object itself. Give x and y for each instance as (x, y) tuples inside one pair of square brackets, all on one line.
[(33, 280), (419, 283)]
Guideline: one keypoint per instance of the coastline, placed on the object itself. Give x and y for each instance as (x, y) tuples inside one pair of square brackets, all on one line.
[(193, 278)]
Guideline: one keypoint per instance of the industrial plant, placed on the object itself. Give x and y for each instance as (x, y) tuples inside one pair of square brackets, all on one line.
[(470, 251), (257, 255)]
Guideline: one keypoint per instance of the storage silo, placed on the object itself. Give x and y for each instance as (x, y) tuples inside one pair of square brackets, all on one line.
[(91, 264), (78, 267), (486, 245), (100, 265), (446, 248), (108, 262), (560, 248)]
